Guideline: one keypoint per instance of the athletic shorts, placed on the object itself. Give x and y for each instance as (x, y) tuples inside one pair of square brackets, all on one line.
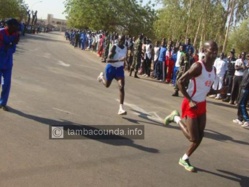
[(113, 72), (195, 112)]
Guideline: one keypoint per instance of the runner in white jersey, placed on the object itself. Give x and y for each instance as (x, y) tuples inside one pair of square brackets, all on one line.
[(201, 76), (115, 70)]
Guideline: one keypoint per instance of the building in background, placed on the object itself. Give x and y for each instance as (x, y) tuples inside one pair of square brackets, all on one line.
[(58, 24), (52, 24)]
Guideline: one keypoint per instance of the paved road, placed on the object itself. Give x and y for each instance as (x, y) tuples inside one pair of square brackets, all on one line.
[(55, 84)]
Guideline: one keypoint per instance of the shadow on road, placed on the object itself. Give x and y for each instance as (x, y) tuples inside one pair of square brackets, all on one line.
[(208, 133), (111, 139), (242, 180), (222, 137), (211, 134), (144, 116)]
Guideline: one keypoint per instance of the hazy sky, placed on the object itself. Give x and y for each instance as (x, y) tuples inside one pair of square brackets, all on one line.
[(45, 7)]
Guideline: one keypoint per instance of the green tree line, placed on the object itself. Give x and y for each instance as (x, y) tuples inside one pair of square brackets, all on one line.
[(126, 16), (176, 20), (200, 20), (13, 8), (238, 38)]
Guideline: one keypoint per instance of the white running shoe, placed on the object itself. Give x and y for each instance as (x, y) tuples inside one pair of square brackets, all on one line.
[(212, 96), (245, 125), (237, 121), (122, 112), (100, 77), (217, 98)]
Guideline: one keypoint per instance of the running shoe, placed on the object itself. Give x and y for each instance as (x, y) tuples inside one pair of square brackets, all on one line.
[(170, 118), (186, 164), (100, 77), (122, 112), (212, 96), (217, 98), (237, 121), (245, 125)]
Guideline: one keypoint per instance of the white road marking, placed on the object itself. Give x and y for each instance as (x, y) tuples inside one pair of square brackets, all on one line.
[(47, 55), (63, 63), (139, 111), (32, 50), (62, 110)]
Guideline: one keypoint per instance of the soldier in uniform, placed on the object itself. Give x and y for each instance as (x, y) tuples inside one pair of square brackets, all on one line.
[(106, 47), (137, 56), (130, 53)]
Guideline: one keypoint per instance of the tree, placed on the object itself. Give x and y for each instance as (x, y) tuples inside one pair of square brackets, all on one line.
[(129, 16), (239, 39), (13, 8), (236, 11), (200, 20)]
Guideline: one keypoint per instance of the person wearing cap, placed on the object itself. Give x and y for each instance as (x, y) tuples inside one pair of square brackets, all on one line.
[(8, 40)]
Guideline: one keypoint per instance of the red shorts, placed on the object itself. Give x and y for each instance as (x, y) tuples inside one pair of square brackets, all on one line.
[(195, 112)]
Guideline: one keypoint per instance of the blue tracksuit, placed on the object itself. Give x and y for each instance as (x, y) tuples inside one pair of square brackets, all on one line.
[(83, 40), (7, 49), (160, 66)]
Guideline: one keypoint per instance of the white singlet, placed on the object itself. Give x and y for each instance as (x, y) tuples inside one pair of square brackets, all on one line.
[(148, 49), (119, 53), (199, 87)]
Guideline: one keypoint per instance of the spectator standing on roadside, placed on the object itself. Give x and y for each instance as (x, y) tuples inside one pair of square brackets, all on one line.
[(8, 40), (230, 74)]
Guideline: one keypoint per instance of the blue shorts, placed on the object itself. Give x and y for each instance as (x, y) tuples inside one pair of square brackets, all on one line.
[(113, 72)]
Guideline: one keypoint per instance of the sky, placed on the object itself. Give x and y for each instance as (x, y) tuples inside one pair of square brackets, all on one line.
[(45, 7), (55, 7)]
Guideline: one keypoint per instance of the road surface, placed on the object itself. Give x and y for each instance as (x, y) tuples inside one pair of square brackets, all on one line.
[(55, 84)]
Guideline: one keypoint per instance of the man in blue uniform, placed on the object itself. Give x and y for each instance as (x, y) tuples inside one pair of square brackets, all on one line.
[(8, 39)]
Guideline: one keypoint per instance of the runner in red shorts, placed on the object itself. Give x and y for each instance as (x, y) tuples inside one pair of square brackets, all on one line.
[(201, 76)]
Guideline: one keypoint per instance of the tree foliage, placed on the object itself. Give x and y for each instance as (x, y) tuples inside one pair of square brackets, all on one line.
[(239, 39), (127, 16), (13, 8), (200, 20)]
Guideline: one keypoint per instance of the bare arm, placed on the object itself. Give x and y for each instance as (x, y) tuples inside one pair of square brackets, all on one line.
[(194, 71)]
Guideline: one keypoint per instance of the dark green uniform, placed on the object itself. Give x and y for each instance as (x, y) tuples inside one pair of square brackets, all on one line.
[(185, 64), (137, 56)]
